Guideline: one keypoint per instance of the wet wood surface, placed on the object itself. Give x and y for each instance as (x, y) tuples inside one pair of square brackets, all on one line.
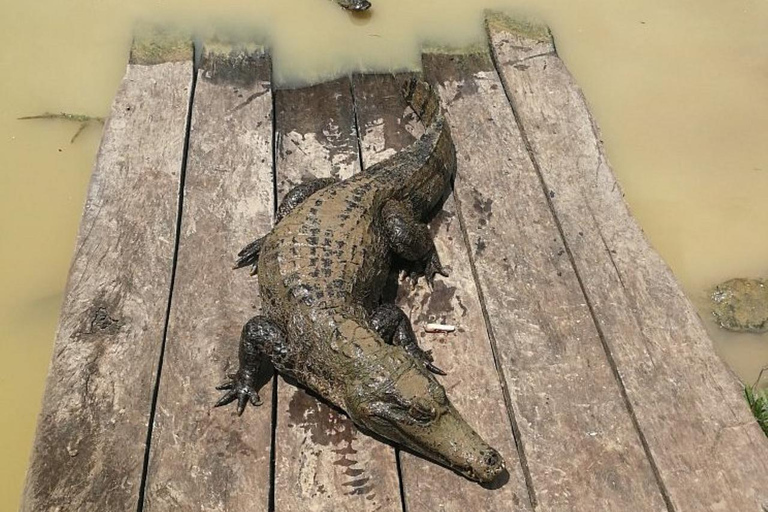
[(204, 458), (576, 353), (580, 446), (388, 125), (709, 451), (90, 444), (322, 462)]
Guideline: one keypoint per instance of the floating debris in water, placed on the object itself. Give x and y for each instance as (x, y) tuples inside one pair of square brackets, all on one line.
[(741, 305), (63, 116)]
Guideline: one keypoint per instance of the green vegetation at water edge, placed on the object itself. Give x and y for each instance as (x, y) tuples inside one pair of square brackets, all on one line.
[(758, 402)]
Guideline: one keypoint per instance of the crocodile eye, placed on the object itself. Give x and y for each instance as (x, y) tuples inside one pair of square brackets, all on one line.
[(438, 394), (422, 412)]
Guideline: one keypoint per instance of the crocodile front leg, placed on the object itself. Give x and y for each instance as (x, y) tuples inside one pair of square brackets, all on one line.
[(409, 238), (394, 327), (261, 339), (249, 255)]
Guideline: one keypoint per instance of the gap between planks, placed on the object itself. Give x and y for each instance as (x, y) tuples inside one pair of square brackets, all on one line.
[(200, 457), (569, 252), (681, 393), (465, 235), (174, 263), (323, 462), (562, 384), (92, 430), (388, 125)]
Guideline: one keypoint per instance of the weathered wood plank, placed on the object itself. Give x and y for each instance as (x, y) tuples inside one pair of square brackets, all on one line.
[(581, 448), (709, 451), (92, 431), (323, 463), (388, 125), (204, 458)]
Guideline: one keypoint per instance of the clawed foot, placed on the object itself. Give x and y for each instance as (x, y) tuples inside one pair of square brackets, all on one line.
[(430, 270), (394, 327), (250, 256), (240, 387), (425, 356), (434, 267)]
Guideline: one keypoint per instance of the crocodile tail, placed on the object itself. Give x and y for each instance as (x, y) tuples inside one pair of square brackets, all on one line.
[(436, 141), (425, 169), (423, 99)]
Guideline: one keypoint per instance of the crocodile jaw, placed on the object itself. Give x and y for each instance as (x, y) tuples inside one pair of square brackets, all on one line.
[(413, 411), (451, 442)]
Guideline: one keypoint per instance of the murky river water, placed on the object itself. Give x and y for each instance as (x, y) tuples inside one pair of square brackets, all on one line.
[(679, 88)]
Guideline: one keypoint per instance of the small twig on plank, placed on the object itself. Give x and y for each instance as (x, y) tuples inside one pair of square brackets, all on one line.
[(439, 328), (77, 118)]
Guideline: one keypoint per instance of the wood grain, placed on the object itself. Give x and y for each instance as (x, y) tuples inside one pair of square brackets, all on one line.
[(709, 451), (91, 438), (323, 463), (388, 125), (581, 449), (204, 458)]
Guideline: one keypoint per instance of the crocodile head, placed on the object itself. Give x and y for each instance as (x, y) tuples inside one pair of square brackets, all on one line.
[(354, 5), (414, 411)]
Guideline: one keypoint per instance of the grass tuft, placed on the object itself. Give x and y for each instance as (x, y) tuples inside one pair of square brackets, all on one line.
[(758, 401)]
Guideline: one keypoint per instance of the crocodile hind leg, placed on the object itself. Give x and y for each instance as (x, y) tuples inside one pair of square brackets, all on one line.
[(261, 339), (249, 255), (410, 239), (299, 194), (394, 327)]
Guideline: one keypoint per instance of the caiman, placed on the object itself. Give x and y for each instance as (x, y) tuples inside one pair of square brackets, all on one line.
[(321, 271), (354, 5)]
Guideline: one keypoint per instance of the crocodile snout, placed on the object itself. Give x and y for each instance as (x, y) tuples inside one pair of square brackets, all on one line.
[(490, 465), (415, 412)]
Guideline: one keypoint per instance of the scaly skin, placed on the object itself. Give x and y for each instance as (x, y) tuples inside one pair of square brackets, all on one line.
[(321, 270), (354, 5)]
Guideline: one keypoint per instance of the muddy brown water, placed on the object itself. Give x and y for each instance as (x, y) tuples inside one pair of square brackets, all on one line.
[(679, 89)]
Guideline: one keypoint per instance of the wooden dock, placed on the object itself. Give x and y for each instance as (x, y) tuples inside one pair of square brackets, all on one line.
[(577, 355)]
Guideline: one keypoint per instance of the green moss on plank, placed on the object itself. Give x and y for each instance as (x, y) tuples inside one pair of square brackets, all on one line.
[(156, 45), (238, 63), (474, 49), (526, 28)]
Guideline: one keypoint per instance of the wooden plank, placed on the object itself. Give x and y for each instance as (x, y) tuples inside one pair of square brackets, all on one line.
[(709, 451), (581, 449), (323, 463), (90, 443), (204, 458), (472, 383)]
